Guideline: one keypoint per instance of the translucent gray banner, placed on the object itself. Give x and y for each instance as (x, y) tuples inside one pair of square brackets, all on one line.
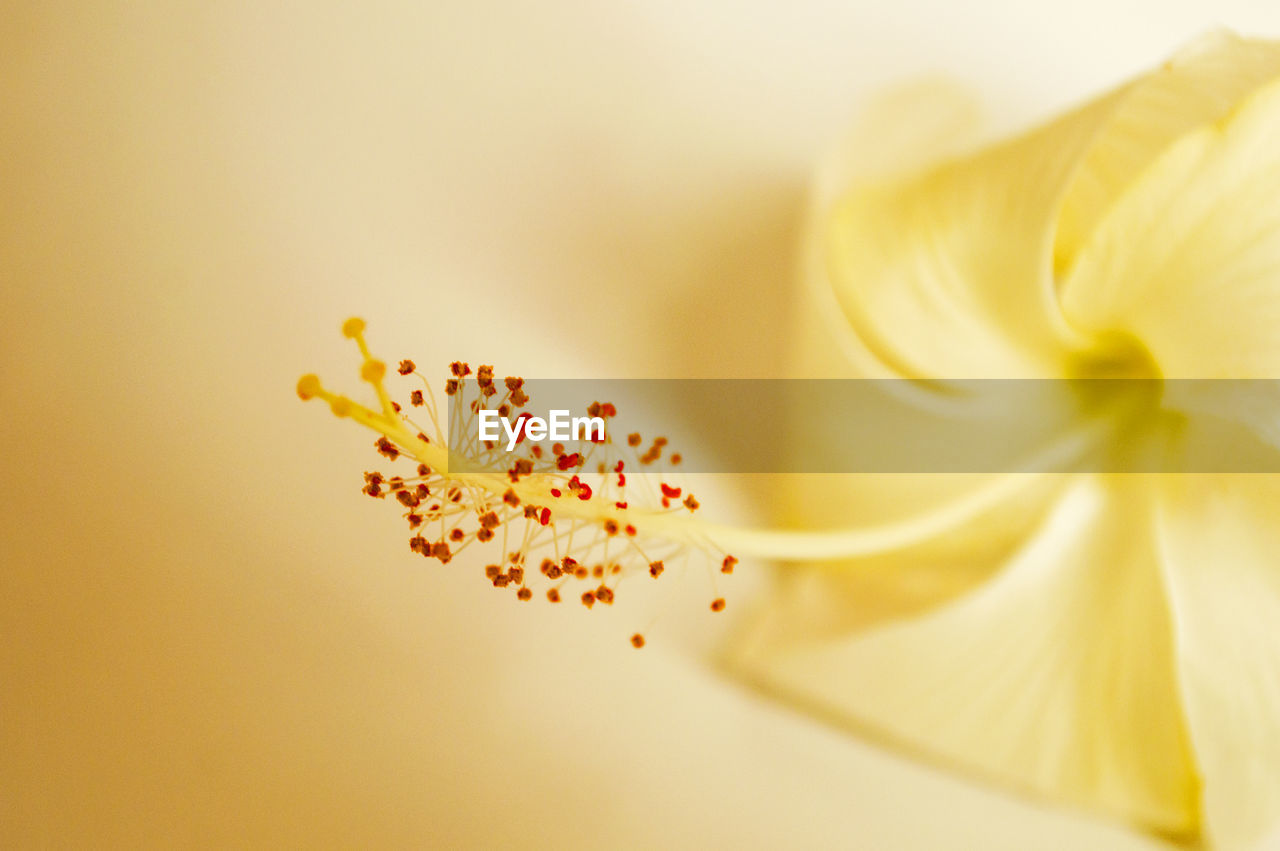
[(883, 425)]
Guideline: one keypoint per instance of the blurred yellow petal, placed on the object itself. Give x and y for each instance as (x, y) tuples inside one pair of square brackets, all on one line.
[(1148, 218), (1188, 259), (900, 132), (1201, 84), (1221, 548), (950, 274), (1057, 676), (855, 593), (953, 273)]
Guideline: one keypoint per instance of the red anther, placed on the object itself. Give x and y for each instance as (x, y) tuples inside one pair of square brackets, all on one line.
[(622, 480), (584, 491), (618, 468), (545, 517), (670, 492), (631, 530), (566, 462), (622, 505), (608, 410), (555, 492), (557, 449)]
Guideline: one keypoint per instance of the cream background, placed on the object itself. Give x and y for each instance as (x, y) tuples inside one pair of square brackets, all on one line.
[(208, 637)]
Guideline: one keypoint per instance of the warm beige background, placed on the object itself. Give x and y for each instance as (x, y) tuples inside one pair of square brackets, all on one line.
[(207, 637)]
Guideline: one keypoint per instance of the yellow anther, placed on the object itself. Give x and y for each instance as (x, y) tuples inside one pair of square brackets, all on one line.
[(309, 386), (341, 406), (353, 327), (373, 371)]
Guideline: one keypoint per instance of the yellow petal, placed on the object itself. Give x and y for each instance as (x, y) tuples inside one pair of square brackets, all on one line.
[(1198, 86), (902, 132), (950, 274), (1057, 676), (850, 594), (1188, 259), (1221, 544)]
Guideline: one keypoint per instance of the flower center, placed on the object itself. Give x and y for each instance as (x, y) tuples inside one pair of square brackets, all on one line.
[(1118, 379), (1117, 355)]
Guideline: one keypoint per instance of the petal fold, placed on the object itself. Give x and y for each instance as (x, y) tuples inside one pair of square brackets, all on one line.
[(1056, 676), (1188, 259), (1221, 543), (1200, 85), (950, 274)]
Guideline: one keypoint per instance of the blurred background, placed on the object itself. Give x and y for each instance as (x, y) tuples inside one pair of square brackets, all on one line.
[(207, 636)]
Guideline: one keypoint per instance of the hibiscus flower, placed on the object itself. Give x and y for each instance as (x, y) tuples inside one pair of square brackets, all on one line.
[(1112, 641), (1109, 640)]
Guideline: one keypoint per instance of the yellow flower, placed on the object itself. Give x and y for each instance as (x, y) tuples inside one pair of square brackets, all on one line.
[(1108, 640), (1112, 641)]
